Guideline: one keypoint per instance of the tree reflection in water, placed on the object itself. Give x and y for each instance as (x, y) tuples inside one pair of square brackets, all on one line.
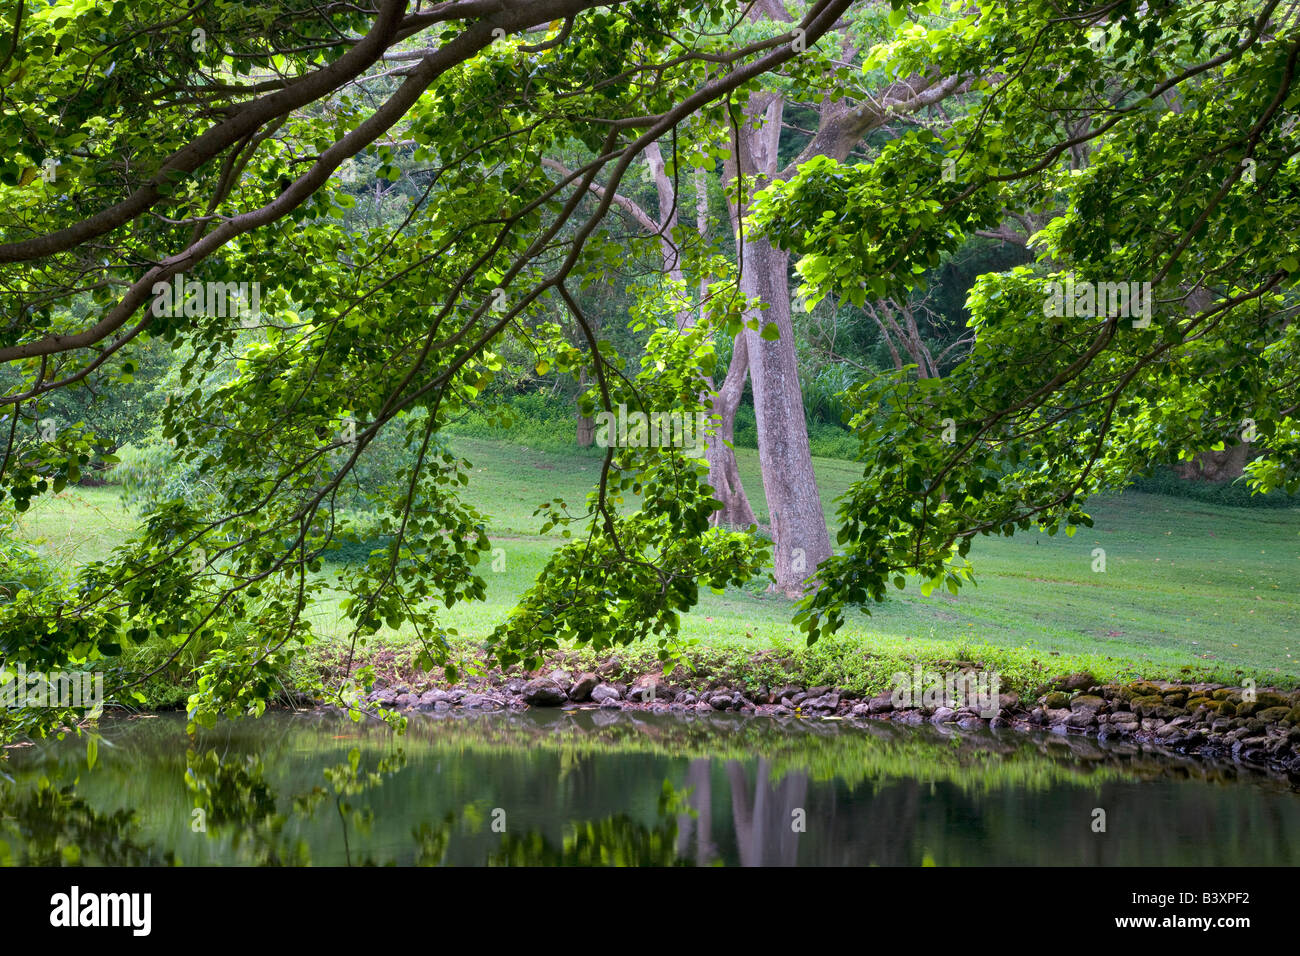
[(583, 791)]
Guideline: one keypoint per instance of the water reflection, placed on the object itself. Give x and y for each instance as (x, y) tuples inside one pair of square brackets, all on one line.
[(602, 788)]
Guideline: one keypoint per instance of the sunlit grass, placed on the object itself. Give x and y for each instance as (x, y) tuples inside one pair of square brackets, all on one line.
[(1186, 584)]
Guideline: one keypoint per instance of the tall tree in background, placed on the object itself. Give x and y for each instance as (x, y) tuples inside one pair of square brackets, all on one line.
[(764, 350)]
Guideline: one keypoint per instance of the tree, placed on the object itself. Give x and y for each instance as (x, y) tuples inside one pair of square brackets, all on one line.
[(764, 349)]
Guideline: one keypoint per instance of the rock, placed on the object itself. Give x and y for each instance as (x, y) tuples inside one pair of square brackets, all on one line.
[(581, 689), (611, 668), (1080, 680), (610, 703), (881, 705), (1088, 704), (544, 692), (649, 687), (720, 701), (1056, 700), (561, 677), (1056, 715), (824, 702), (703, 707), (603, 692), (1080, 719), (861, 710), (1266, 699), (785, 690), (942, 715), (1271, 715), (1249, 746), (1143, 705)]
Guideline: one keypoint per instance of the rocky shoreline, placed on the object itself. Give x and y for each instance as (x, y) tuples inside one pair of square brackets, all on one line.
[(1260, 727)]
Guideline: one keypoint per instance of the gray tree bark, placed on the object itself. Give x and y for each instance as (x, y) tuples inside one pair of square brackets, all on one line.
[(724, 472), (798, 525)]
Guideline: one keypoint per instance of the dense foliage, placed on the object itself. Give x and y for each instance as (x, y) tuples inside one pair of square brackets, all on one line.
[(324, 235)]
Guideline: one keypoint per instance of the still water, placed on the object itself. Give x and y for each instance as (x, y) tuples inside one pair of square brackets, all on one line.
[(601, 787)]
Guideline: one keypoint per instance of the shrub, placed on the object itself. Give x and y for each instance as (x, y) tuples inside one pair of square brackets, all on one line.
[(1233, 494)]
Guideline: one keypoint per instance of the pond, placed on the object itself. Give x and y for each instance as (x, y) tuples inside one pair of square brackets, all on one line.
[(608, 787)]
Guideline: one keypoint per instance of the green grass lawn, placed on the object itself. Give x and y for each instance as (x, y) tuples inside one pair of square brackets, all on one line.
[(1186, 584)]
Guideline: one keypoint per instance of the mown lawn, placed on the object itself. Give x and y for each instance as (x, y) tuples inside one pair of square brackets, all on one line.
[(1186, 584)]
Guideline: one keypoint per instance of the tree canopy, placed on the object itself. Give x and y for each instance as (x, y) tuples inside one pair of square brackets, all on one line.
[(346, 222)]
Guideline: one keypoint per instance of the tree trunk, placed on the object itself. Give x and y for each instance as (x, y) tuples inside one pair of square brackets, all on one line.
[(724, 473), (1218, 467), (586, 431), (798, 524), (586, 426)]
